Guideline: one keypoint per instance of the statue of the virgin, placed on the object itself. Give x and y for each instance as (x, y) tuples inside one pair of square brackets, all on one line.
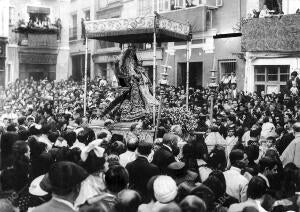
[(138, 101)]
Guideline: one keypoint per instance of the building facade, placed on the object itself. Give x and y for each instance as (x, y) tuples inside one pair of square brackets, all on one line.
[(79, 12), (4, 19), (38, 40), (272, 52), (56, 32), (209, 19)]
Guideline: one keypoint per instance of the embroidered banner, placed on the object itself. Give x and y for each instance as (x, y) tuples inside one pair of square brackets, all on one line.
[(275, 33)]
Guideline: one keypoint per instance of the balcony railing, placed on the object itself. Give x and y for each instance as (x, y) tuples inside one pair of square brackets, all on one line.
[(169, 5), (33, 39), (73, 33), (271, 34)]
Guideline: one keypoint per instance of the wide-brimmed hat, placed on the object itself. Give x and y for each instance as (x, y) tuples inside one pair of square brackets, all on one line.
[(63, 176)]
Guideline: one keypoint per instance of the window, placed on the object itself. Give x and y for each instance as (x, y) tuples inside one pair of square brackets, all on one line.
[(104, 3), (195, 41), (180, 43), (12, 16), (145, 46), (73, 28), (2, 64), (164, 5), (101, 3), (112, 1), (209, 19), (106, 44), (167, 5), (87, 15), (144, 7), (74, 20), (275, 5), (271, 78), (227, 66), (219, 3), (179, 4), (198, 41)]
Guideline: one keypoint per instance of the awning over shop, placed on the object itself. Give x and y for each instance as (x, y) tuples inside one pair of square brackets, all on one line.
[(40, 10), (137, 30)]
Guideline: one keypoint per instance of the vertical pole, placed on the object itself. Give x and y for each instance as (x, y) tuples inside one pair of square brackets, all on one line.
[(154, 69), (159, 114), (85, 77), (211, 108), (187, 72), (154, 59)]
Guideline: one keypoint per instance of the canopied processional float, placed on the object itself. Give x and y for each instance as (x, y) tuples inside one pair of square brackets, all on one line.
[(149, 29)]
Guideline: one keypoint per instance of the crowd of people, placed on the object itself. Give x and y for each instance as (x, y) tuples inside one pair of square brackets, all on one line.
[(242, 158)]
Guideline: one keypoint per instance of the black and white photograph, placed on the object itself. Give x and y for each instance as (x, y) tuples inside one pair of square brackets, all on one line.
[(149, 105)]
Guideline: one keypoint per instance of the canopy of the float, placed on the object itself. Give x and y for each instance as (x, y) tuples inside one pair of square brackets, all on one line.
[(137, 30)]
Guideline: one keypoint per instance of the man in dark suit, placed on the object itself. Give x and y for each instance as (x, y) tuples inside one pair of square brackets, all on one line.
[(50, 123), (140, 170), (166, 153), (64, 180), (233, 93), (289, 83)]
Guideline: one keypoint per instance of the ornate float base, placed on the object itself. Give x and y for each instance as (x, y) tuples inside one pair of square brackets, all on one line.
[(122, 128)]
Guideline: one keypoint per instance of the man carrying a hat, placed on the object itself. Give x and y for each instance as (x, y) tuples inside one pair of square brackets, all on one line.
[(64, 181)]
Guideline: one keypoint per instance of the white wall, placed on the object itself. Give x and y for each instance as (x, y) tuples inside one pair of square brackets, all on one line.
[(130, 9), (290, 6), (4, 18), (251, 5)]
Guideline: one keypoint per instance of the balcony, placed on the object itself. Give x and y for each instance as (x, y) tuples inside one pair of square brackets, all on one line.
[(195, 16), (34, 40), (170, 5), (33, 34), (271, 34), (73, 33), (105, 4)]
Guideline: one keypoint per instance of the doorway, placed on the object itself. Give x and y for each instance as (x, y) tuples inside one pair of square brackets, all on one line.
[(78, 66), (195, 74)]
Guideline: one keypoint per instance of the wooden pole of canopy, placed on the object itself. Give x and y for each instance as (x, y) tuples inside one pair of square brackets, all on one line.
[(154, 68), (85, 77), (187, 72)]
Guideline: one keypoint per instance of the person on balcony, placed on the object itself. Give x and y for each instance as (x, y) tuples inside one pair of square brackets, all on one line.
[(265, 12)]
